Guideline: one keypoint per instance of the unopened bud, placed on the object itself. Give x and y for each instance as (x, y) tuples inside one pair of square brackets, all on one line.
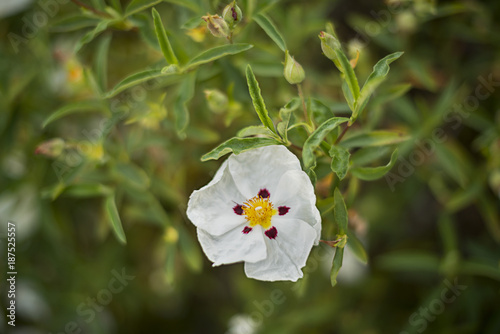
[(294, 73), (232, 14), (217, 26), (328, 45), (51, 148), (217, 101)]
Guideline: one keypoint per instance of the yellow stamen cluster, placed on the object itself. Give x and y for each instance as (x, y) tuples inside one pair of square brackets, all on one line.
[(258, 211)]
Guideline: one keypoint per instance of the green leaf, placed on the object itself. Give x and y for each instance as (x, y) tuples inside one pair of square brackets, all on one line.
[(285, 115), (344, 66), (374, 173), (367, 155), (258, 101), (268, 26), (101, 63), (315, 140), (340, 160), (133, 175), (377, 76), (216, 53), (190, 250), (87, 190), (137, 78), (73, 23), (72, 109), (114, 218), (336, 265), (237, 146), (161, 34), (181, 112), (340, 212), (356, 247), (136, 6), (349, 75), (254, 130), (88, 37), (374, 138), (412, 261)]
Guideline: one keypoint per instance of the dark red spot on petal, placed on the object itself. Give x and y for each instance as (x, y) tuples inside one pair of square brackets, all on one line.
[(233, 12), (247, 230), (238, 209), (271, 233), (264, 193), (283, 210)]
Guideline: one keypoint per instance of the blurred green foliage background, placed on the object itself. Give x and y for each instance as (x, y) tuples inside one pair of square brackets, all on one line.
[(131, 155)]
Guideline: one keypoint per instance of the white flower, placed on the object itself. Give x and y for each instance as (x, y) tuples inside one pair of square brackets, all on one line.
[(259, 208)]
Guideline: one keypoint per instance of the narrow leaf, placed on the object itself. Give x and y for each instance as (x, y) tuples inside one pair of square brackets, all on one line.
[(136, 6), (88, 37), (114, 218), (181, 112), (374, 173), (356, 247), (285, 115), (237, 146), (72, 109), (254, 130), (336, 265), (315, 140), (377, 76), (258, 101), (340, 212), (73, 23), (268, 26), (133, 175), (161, 34), (102, 63), (137, 78), (374, 138), (340, 160), (349, 75), (87, 190), (216, 53)]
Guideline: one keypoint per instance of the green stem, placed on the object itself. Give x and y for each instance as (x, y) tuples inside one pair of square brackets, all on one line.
[(307, 114)]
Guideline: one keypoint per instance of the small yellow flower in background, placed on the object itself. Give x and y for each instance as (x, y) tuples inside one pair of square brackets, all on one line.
[(197, 34), (260, 208)]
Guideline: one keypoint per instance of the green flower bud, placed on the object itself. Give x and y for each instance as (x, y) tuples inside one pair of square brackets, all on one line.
[(294, 73), (217, 101), (217, 26), (51, 148), (232, 14), (328, 45)]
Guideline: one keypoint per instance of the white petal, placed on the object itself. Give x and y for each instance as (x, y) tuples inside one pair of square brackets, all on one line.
[(211, 207), (261, 168), (234, 246), (286, 254), (295, 191)]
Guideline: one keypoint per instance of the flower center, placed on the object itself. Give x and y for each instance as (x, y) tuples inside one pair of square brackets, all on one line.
[(258, 211)]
